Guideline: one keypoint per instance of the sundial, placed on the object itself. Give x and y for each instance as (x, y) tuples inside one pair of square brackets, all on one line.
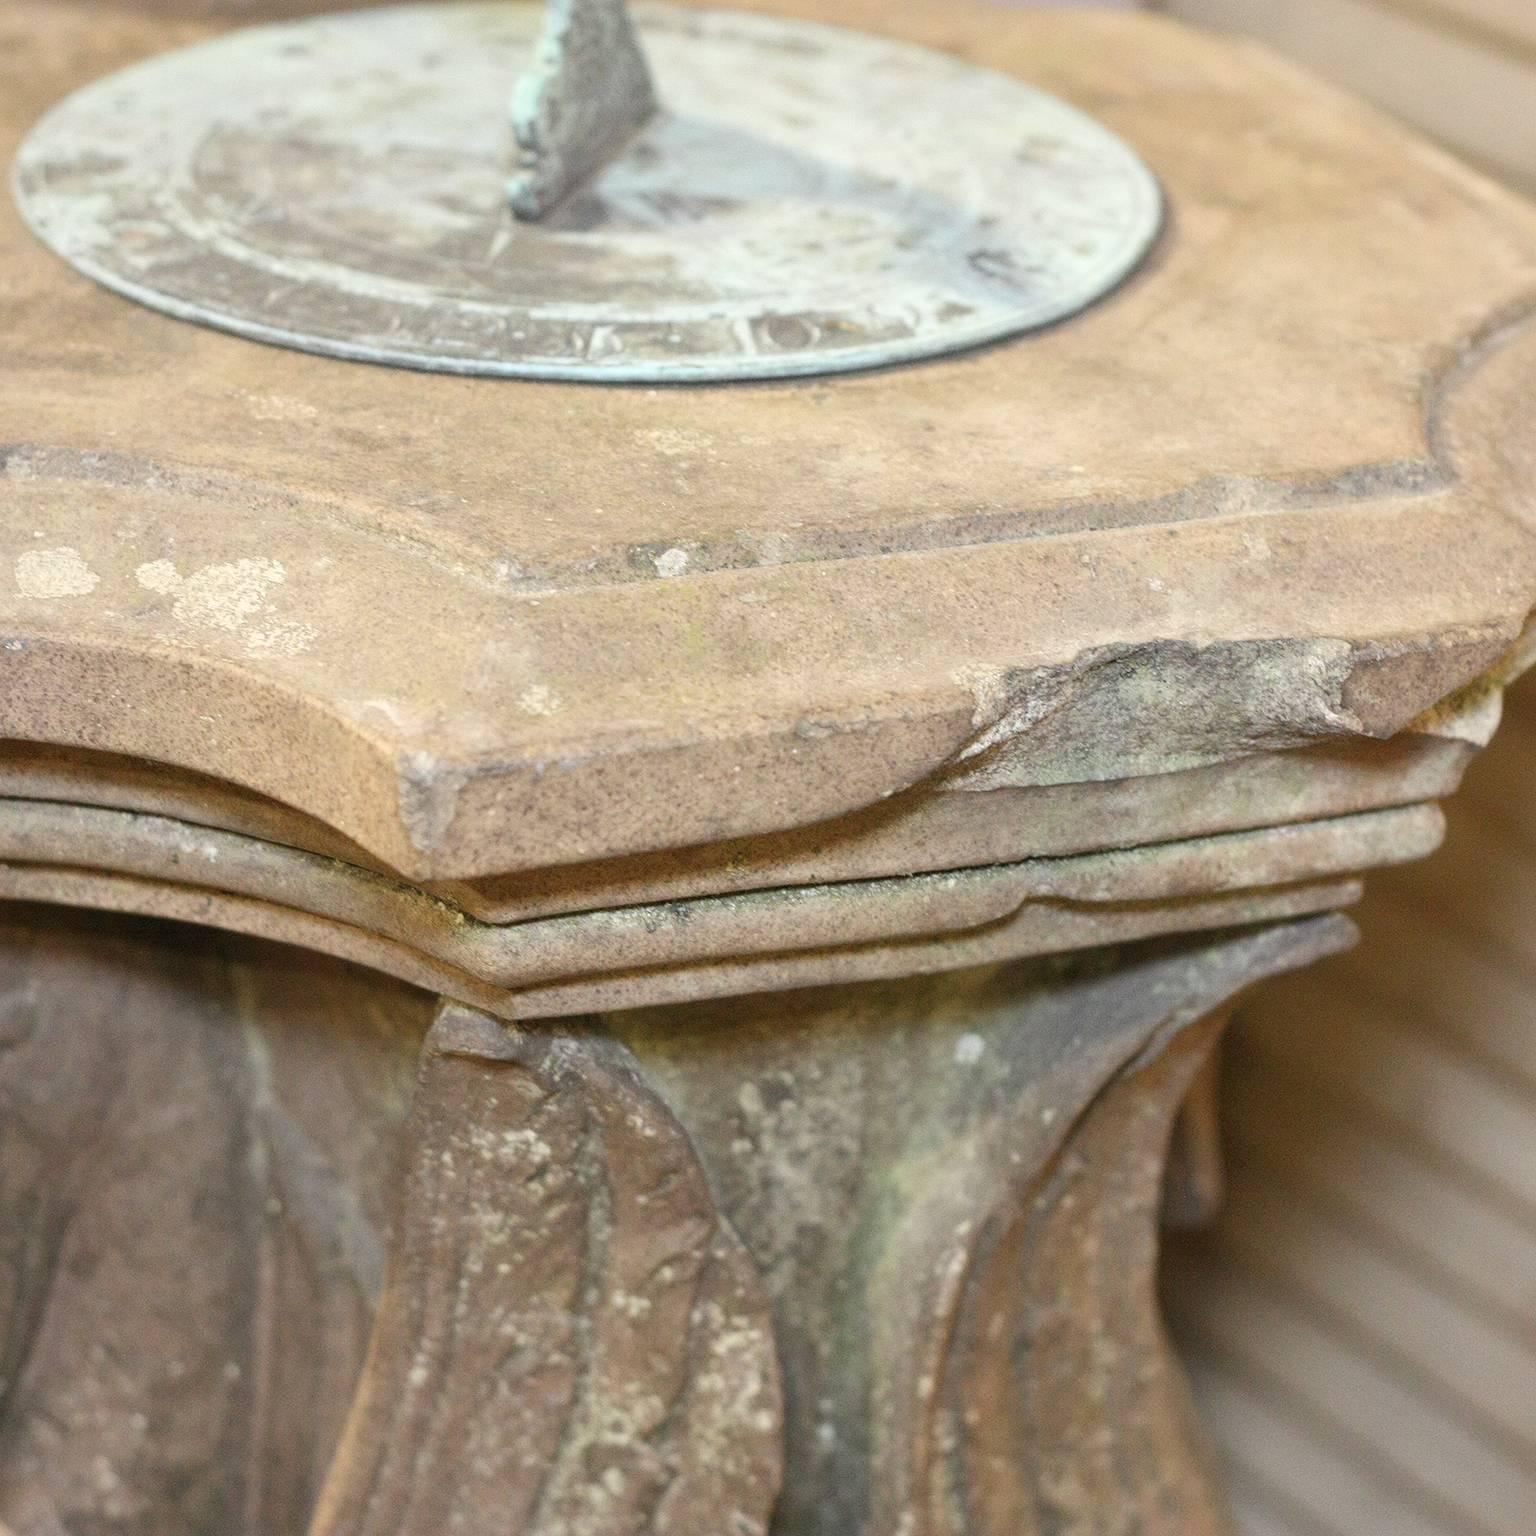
[(575, 192)]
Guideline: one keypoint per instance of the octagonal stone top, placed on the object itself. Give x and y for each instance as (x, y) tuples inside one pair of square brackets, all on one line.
[(1272, 493)]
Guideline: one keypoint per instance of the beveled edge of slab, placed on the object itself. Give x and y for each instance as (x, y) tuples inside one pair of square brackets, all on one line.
[(928, 830), (1023, 936), (710, 946), (660, 935)]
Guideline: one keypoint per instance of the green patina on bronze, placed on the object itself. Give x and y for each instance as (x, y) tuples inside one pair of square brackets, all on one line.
[(587, 95), (805, 200)]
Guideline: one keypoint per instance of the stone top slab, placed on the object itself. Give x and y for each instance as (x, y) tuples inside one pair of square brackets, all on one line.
[(1266, 495)]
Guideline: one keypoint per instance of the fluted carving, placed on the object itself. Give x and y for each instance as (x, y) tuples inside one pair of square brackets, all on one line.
[(952, 1189), (856, 1261)]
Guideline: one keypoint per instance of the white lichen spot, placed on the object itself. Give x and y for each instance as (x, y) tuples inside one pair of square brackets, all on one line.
[(278, 407), (529, 1144), (55, 573), (509, 1148), (158, 576), (233, 597), (227, 596), (288, 638), (670, 563), (969, 1050), (539, 699), (676, 442), (988, 687)]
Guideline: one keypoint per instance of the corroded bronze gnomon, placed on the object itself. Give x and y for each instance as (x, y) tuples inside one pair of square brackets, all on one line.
[(588, 93)]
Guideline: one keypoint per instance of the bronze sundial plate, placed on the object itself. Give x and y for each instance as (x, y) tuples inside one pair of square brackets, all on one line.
[(811, 199)]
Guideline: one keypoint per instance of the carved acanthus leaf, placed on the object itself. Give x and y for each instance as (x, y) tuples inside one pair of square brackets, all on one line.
[(571, 1341)]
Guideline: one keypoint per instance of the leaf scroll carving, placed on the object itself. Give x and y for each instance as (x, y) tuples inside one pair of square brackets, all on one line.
[(1050, 1401), (571, 1341)]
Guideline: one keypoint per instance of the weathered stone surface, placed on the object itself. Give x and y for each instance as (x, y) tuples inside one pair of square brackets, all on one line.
[(885, 635), (933, 1205), (554, 700), (1251, 511), (570, 1342), (1031, 931), (952, 1189), (196, 1155), (666, 952), (926, 830)]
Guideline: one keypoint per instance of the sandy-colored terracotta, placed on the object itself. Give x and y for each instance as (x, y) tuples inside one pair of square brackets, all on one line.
[(1096, 667), (896, 1236), (480, 626), (656, 953)]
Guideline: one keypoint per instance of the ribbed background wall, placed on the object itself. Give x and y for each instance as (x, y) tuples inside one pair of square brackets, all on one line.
[(1361, 1322), (1464, 70)]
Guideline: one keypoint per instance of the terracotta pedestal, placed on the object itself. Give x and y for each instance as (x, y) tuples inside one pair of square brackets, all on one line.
[(708, 901)]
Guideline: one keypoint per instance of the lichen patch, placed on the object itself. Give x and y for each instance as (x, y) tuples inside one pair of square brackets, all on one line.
[(539, 699), (158, 576), (234, 597), (49, 573)]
